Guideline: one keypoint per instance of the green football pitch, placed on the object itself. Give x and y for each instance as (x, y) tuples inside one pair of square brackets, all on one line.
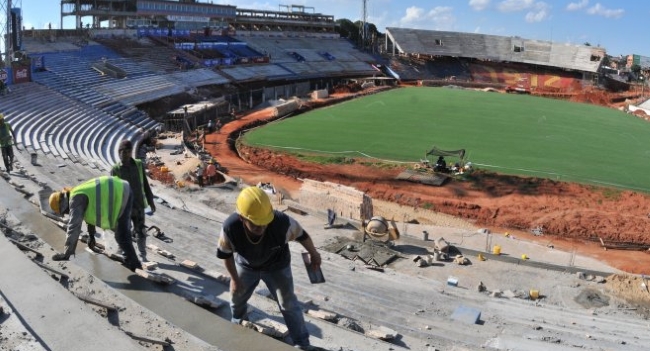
[(510, 134)]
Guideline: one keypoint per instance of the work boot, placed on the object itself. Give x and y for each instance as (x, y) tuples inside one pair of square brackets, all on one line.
[(60, 257), (91, 244)]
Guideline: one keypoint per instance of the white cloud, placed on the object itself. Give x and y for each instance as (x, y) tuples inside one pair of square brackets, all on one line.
[(515, 5), (540, 12), (479, 5), (535, 11), (600, 10), (440, 17), (574, 6), (413, 14)]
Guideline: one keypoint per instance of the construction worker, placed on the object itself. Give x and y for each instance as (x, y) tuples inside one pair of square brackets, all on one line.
[(104, 202), (6, 143), (200, 170), (132, 171), (254, 246), (210, 172)]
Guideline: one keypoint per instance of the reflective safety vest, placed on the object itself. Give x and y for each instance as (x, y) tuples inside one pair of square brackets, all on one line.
[(105, 195)]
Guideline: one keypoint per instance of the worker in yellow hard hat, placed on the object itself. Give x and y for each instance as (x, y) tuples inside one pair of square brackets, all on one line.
[(254, 245), (6, 143), (104, 202)]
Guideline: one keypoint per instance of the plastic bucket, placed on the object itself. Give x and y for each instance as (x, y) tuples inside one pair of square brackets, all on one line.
[(496, 249), (534, 294)]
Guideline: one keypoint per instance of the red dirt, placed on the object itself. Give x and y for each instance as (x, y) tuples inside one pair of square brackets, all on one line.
[(573, 215)]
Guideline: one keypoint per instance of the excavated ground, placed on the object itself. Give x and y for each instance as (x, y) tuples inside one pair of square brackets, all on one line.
[(572, 215)]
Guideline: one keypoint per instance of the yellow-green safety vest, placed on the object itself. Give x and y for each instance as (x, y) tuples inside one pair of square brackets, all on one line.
[(105, 195)]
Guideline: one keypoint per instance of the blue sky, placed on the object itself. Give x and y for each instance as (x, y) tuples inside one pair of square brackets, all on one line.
[(615, 25)]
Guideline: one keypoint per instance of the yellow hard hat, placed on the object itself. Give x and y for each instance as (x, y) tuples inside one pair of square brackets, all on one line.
[(55, 202), (254, 205)]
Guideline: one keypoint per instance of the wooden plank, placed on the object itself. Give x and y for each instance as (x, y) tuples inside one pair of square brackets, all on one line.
[(166, 342), (24, 247), (63, 275), (97, 303)]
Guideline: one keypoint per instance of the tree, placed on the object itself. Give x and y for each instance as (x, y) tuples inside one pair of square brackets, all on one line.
[(586, 44), (347, 29), (351, 30)]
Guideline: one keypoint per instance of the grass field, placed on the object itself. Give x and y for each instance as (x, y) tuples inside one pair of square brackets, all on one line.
[(511, 134)]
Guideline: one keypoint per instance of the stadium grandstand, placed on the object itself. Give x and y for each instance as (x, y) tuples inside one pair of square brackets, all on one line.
[(138, 60), (501, 61), (122, 74)]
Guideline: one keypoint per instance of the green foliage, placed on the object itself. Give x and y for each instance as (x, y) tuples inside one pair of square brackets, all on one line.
[(509, 134)]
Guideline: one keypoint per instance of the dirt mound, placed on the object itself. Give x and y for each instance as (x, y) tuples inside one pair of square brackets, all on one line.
[(633, 289), (577, 214)]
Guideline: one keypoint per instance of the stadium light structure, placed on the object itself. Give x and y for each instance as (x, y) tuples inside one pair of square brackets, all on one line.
[(7, 45), (363, 28), (5, 24)]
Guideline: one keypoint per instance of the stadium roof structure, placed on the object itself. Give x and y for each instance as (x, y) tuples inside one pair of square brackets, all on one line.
[(495, 48)]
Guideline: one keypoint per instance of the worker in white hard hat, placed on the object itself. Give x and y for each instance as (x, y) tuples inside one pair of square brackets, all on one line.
[(254, 246)]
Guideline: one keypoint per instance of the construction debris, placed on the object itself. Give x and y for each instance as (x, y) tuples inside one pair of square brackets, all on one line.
[(203, 300), (442, 245), (266, 330), (160, 251), (190, 264), (383, 333), (452, 281), (370, 252), (461, 260), (24, 247), (63, 275), (158, 278), (98, 303), (167, 342), (150, 265), (623, 246), (324, 315)]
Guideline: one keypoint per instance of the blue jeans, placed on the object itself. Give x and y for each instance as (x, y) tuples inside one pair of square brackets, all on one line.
[(280, 284), (123, 236)]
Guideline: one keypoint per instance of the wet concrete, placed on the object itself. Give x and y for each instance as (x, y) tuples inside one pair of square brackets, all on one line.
[(166, 301)]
